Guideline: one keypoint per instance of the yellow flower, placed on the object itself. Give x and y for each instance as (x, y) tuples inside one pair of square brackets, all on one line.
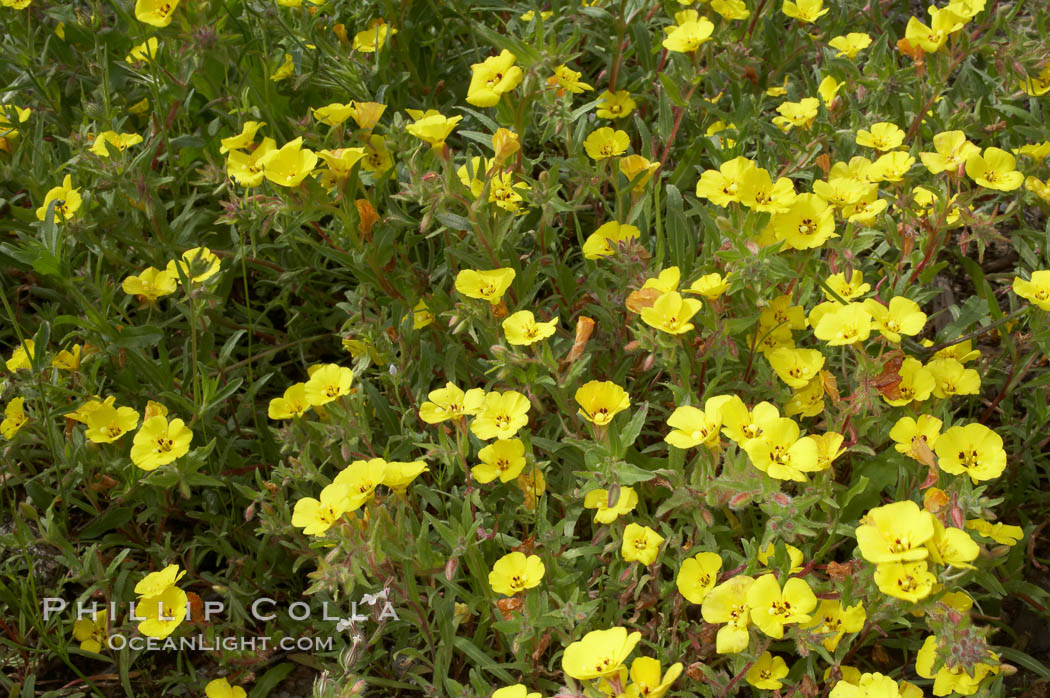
[(766, 672), (1001, 533), (849, 289), (727, 603), (1036, 151), (372, 39), (691, 30), (916, 438), (832, 621), (145, 52), (486, 285), (503, 459), (647, 679), (221, 688), (952, 546), (895, 532), (92, 632), (504, 191), (361, 479), (805, 10), (638, 170), (828, 88), (780, 453), (710, 286), (334, 114), (505, 143), (243, 139), (772, 607), (119, 141), (317, 516), (640, 544), (795, 557), (150, 284), (159, 442), (431, 126), (973, 449), (808, 400), (952, 150), (958, 678), (731, 9), (697, 576), (15, 4), (568, 80), (157, 13), (917, 383), (68, 360), (851, 44), (908, 581), (742, 425), (671, 313), (615, 105), (931, 38), (809, 223), (902, 317), (162, 613), (107, 423), (600, 401), (492, 78), (723, 186), (883, 136), (604, 241), (367, 114), (501, 415), (65, 199), (1038, 187), (451, 402), (377, 158), (1038, 85), (521, 328), (198, 264), (606, 143), (289, 165), (292, 404), (796, 114), (952, 378), (796, 367), (891, 167), (608, 509), (398, 475), (693, 426), (421, 315), (340, 162), (1036, 290), (247, 169), (963, 352), (995, 169), (600, 653), (327, 383), (22, 357), (844, 324), (514, 573), (14, 418)]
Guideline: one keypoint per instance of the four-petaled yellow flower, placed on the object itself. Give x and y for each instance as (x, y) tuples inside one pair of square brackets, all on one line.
[(671, 313), (611, 504), (293, 403), (492, 78), (766, 672), (604, 241), (606, 143), (689, 33), (317, 516), (107, 423), (221, 688), (119, 141), (327, 383), (641, 544), (971, 449), (567, 80), (1036, 289), (600, 653), (159, 442), (600, 401), (92, 632), (150, 284), (157, 13), (804, 10), (372, 39), (64, 199), (614, 105), (895, 532), (451, 402), (431, 126), (503, 459), (14, 418), (522, 328), (487, 285), (697, 576), (514, 573), (995, 169), (501, 415), (198, 264), (851, 44)]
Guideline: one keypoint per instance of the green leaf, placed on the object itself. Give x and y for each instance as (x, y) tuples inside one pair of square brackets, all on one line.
[(271, 679), (114, 518)]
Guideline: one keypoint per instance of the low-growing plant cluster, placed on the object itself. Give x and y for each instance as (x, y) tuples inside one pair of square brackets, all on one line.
[(525, 349)]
